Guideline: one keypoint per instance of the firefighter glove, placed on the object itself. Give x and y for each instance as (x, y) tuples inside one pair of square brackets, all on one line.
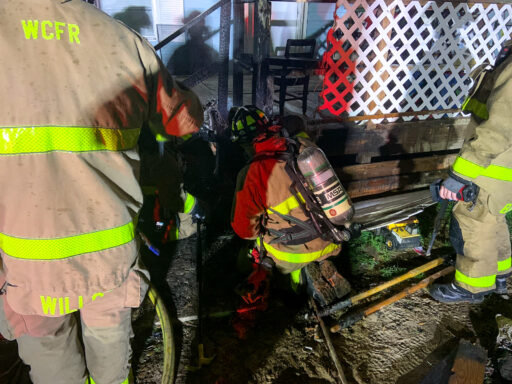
[(197, 213)]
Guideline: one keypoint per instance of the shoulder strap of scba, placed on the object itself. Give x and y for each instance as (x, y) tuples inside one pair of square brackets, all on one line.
[(317, 225)]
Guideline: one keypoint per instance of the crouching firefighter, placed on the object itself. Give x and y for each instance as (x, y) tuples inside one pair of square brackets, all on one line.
[(478, 231), (174, 210), (289, 200)]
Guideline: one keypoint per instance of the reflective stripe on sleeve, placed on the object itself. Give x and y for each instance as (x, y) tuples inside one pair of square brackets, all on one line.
[(18, 140), (286, 206), (190, 201), (64, 247), (299, 258), (476, 107), (503, 265), (477, 282), (472, 170)]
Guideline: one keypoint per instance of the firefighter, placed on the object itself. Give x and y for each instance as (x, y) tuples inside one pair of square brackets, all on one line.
[(174, 210), (77, 88), (263, 188), (478, 231)]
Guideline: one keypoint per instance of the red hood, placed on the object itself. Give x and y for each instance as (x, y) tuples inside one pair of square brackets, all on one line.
[(273, 144)]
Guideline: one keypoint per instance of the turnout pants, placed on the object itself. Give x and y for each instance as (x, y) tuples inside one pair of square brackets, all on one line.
[(51, 346), (482, 243)]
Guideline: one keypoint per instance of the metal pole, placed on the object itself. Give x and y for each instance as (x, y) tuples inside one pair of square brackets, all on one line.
[(238, 49), (262, 14), (225, 31), (330, 346)]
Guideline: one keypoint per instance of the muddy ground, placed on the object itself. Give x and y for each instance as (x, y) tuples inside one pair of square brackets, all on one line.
[(403, 343), (399, 344)]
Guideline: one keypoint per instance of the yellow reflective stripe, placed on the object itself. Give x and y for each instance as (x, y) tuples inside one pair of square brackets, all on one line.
[(72, 139), (504, 264), (478, 282), (295, 280), (190, 201), (250, 121), (161, 138), (476, 107), (303, 134), (299, 257), (472, 170), (286, 206), (61, 248), (91, 381), (295, 276)]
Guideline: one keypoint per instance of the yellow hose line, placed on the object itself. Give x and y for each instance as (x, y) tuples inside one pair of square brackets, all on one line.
[(167, 335)]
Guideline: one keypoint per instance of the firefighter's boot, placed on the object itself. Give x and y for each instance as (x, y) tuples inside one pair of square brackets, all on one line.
[(451, 293), (333, 277), (317, 287), (501, 284)]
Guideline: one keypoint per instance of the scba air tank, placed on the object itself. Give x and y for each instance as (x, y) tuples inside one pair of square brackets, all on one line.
[(326, 186)]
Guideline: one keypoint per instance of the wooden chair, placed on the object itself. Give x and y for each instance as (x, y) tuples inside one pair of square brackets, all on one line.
[(291, 74)]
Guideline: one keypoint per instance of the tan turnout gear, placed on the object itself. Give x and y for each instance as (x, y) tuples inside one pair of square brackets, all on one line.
[(263, 192), (77, 88), (483, 249)]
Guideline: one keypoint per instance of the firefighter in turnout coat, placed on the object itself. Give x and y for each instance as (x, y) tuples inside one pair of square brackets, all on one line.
[(77, 87), (263, 196), (479, 232)]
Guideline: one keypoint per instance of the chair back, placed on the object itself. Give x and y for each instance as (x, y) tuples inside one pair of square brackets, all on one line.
[(300, 48)]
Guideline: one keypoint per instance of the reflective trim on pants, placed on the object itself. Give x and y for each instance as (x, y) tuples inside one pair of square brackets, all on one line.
[(504, 265), (477, 282), (299, 258), (485, 242), (128, 380)]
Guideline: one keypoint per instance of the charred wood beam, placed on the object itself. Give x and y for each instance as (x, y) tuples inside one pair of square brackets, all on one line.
[(395, 167), (405, 182), (393, 139)]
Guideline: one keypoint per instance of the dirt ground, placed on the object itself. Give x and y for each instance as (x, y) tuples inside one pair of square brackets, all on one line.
[(399, 344), (402, 343)]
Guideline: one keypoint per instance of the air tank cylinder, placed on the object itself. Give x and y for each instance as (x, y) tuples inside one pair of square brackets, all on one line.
[(326, 186)]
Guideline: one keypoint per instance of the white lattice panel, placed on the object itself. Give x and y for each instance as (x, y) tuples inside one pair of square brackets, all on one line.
[(397, 57)]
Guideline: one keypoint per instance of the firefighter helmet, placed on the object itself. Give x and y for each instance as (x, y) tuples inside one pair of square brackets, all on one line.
[(246, 122)]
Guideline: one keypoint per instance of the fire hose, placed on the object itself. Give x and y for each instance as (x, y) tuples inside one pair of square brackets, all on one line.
[(167, 336)]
